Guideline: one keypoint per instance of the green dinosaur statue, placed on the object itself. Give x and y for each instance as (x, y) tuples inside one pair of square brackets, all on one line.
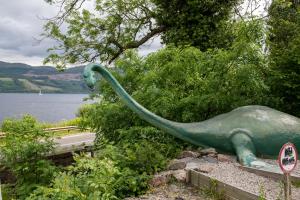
[(247, 131)]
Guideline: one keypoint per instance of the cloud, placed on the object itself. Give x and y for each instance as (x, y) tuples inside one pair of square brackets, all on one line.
[(21, 23), (150, 46), (17, 57)]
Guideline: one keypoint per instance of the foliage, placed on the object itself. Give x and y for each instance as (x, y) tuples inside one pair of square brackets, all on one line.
[(23, 152), (284, 47), (114, 26), (186, 84), (116, 172), (84, 114), (199, 23), (104, 33), (94, 179)]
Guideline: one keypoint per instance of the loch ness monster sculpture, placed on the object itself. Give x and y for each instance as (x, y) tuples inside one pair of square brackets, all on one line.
[(247, 131)]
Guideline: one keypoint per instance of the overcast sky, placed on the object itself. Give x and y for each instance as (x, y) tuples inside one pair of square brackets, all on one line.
[(21, 23)]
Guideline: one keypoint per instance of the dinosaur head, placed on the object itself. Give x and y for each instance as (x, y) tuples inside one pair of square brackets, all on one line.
[(89, 76)]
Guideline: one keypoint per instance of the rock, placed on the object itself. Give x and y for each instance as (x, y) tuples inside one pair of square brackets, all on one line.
[(179, 175), (179, 198), (160, 179), (187, 159), (191, 154), (174, 188), (205, 168), (210, 159), (177, 164), (194, 164), (213, 155), (224, 158), (208, 151)]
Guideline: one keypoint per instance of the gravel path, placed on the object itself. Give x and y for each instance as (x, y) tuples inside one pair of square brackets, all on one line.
[(231, 174)]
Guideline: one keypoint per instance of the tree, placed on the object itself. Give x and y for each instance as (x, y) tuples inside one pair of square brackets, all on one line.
[(284, 47), (117, 25), (199, 23)]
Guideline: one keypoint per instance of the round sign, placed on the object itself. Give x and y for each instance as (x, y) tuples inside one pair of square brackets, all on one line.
[(288, 157)]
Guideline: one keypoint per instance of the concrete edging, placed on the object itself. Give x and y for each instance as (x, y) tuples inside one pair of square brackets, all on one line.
[(268, 174)]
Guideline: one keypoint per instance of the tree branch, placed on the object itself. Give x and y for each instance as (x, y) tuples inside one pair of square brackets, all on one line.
[(62, 15), (135, 44), (144, 39)]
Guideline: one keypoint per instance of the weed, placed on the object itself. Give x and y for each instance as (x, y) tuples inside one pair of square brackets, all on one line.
[(212, 191), (296, 184), (262, 193)]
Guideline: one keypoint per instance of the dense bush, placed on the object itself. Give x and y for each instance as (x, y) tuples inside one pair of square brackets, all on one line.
[(284, 48), (185, 84), (92, 179), (23, 152)]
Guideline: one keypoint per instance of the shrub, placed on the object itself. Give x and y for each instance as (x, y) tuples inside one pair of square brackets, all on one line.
[(23, 152), (92, 179)]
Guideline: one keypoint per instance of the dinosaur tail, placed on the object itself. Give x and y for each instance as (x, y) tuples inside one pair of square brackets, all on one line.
[(171, 127)]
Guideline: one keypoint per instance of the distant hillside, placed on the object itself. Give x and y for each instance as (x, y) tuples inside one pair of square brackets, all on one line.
[(19, 77)]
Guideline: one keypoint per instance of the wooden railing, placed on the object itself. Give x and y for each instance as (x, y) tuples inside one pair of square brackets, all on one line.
[(2, 135), (64, 128)]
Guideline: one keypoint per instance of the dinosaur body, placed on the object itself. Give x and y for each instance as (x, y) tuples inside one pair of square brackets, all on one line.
[(246, 131)]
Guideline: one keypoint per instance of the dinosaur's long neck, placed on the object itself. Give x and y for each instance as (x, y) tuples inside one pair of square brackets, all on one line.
[(174, 128)]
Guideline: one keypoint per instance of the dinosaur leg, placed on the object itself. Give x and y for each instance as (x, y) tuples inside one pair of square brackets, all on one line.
[(245, 151), (244, 148)]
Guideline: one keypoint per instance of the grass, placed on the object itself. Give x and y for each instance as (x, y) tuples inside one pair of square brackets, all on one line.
[(72, 122), (50, 89), (6, 79), (6, 192), (28, 85), (296, 184)]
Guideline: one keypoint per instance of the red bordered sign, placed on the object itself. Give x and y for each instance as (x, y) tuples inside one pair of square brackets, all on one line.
[(288, 157)]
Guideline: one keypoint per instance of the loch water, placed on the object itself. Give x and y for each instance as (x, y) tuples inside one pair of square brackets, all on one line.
[(45, 107)]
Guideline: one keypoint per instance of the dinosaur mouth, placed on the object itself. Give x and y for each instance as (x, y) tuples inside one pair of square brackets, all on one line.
[(90, 84)]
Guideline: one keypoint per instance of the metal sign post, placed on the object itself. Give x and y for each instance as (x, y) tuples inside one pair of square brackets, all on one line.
[(287, 160)]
